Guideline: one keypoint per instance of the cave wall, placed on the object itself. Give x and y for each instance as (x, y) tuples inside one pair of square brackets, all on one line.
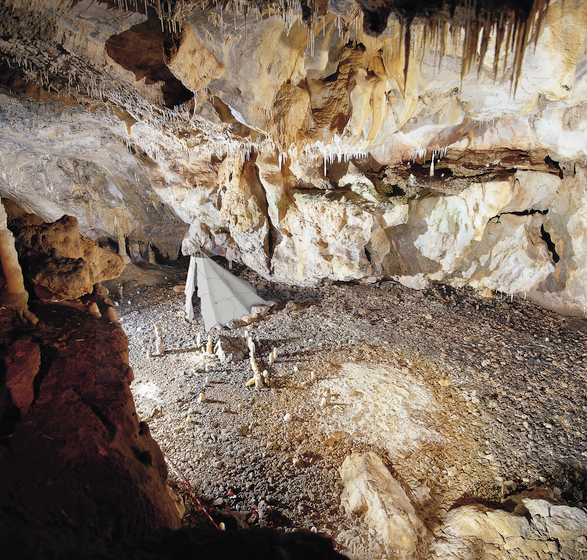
[(77, 463), (307, 146)]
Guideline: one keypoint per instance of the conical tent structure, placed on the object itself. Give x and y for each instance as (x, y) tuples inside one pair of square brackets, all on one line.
[(223, 296)]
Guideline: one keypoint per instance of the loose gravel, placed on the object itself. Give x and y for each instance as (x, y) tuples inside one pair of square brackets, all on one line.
[(466, 398)]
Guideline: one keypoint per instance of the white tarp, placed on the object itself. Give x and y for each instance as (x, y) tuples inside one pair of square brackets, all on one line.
[(223, 296)]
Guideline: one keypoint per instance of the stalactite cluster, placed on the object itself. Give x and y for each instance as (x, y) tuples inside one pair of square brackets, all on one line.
[(464, 27)]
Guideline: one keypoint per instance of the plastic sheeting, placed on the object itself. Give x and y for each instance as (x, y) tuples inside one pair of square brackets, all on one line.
[(223, 296)]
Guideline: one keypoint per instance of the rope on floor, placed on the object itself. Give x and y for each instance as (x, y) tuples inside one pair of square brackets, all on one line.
[(186, 483)]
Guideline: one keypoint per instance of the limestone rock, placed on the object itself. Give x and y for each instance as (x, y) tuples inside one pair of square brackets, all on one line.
[(536, 529), (191, 62), (60, 262), (61, 278), (371, 491), (284, 147), (234, 348), (22, 365), (91, 468)]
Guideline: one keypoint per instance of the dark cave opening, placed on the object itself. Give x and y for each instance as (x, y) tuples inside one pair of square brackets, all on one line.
[(148, 40), (546, 237)]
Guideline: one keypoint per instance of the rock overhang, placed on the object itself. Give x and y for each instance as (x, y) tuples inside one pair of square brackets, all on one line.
[(278, 102)]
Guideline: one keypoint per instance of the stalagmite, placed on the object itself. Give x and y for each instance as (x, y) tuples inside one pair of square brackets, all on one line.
[(15, 295), (159, 347)]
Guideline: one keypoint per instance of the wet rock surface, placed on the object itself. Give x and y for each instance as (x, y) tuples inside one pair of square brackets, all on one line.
[(467, 400)]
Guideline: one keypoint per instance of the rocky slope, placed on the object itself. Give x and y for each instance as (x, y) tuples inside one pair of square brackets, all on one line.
[(76, 461), (475, 407)]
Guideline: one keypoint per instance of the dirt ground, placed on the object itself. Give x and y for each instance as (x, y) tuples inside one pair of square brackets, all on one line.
[(465, 398)]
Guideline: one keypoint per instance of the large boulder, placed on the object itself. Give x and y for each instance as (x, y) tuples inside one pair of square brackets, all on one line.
[(371, 491), (60, 262)]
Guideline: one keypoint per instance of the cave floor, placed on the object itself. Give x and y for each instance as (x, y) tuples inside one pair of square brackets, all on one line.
[(466, 399)]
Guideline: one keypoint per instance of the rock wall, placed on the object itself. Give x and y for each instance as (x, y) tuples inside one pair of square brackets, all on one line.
[(309, 146), (76, 461)]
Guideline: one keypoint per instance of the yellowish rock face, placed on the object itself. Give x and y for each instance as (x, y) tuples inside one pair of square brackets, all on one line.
[(306, 147)]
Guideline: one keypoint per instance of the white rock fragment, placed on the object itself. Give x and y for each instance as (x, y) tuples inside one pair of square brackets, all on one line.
[(287, 417), (221, 355), (371, 491), (209, 346), (202, 397)]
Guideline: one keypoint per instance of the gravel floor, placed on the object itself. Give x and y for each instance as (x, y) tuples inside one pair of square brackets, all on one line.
[(466, 398)]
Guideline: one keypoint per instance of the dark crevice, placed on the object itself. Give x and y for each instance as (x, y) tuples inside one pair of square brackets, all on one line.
[(110, 427), (527, 212), (550, 244), (48, 356), (554, 166), (368, 254), (140, 49)]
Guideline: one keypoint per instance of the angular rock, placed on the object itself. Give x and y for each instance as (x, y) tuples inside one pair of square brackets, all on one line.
[(536, 529), (60, 262), (371, 491), (234, 348)]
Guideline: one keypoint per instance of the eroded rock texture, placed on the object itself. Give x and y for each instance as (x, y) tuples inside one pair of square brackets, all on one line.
[(418, 141), (76, 461)]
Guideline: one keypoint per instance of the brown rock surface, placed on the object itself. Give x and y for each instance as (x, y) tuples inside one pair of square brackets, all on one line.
[(76, 457), (60, 262)]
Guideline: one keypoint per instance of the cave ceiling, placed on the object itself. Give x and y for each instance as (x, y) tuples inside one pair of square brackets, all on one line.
[(421, 141)]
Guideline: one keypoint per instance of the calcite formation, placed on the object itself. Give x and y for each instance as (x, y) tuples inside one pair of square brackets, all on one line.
[(60, 262), (426, 142)]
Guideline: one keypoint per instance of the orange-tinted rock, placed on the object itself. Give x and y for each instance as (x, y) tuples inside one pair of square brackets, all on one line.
[(22, 365), (60, 262), (77, 457)]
